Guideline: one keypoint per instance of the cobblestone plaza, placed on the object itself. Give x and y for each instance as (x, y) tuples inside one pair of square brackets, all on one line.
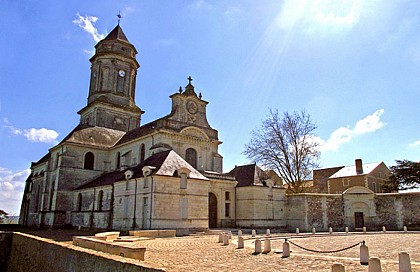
[(204, 253)]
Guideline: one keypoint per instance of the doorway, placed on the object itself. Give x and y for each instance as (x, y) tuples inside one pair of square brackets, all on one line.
[(359, 221), (212, 210)]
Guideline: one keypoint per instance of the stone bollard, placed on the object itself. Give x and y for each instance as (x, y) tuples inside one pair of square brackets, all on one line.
[(374, 265), (404, 262), (267, 245), (230, 234), (383, 229), (313, 231), (364, 254), (257, 246), (225, 240), (267, 232), (220, 237), (240, 242), (239, 233), (330, 230), (286, 249), (364, 229), (254, 233), (405, 228), (347, 229), (297, 230), (337, 267)]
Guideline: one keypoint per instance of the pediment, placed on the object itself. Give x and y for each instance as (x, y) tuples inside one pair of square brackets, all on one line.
[(358, 190), (194, 132)]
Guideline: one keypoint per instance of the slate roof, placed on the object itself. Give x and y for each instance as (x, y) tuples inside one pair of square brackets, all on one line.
[(165, 163), (116, 34), (349, 171), (138, 132), (247, 175), (95, 136)]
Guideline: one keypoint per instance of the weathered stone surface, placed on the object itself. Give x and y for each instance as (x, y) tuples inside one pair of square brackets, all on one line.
[(5, 249), (32, 254)]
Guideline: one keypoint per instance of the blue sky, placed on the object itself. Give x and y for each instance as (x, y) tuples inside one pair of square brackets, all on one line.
[(353, 65)]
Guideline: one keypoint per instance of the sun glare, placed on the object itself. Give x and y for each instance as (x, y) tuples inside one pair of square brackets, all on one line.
[(319, 14)]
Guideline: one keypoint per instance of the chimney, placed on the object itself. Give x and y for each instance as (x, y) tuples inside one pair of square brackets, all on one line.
[(359, 166)]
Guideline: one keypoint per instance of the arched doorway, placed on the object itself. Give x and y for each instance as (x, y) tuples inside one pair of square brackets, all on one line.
[(212, 210)]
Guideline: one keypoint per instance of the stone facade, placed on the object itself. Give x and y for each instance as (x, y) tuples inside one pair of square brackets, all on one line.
[(259, 206), (111, 172)]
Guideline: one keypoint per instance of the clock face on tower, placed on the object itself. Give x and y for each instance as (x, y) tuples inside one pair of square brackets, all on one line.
[(192, 107), (121, 73)]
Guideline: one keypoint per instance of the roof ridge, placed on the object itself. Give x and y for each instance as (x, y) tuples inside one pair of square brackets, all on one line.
[(116, 34)]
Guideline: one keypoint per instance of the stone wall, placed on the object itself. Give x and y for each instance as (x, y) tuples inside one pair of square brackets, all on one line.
[(162, 203), (5, 249), (398, 210), (296, 212), (259, 206), (32, 254), (319, 211)]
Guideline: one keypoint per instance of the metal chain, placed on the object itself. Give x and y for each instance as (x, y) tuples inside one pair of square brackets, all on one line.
[(325, 251)]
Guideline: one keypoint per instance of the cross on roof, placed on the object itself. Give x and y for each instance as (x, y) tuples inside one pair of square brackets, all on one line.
[(119, 17), (189, 79)]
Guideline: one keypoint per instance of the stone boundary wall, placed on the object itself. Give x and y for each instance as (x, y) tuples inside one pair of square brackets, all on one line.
[(31, 254), (321, 211), (5, 248), (398, 210)]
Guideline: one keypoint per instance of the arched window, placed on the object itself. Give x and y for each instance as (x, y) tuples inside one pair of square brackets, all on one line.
[(89, 161), (100, 200), (79, 202), (191, 157), (142, 153), (118, 160)]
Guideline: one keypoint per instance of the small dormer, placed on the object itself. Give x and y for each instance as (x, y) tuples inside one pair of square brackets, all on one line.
[(147, 171)]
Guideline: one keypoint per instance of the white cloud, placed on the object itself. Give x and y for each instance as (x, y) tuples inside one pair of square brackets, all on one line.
[(41, 135), (14, 130), (87, 24), (416, 143), (321, 15), (11, 189), (369, 124)]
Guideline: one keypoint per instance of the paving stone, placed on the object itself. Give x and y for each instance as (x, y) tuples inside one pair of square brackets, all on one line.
[(204, 253)]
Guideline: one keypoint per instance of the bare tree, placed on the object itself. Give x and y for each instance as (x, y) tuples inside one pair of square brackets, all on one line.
[(286, 145)]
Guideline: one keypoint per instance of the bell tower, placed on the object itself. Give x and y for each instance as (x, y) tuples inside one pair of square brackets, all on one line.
[(112, 85)]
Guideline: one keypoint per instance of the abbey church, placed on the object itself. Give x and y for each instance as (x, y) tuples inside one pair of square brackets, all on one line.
[(111, 172)]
